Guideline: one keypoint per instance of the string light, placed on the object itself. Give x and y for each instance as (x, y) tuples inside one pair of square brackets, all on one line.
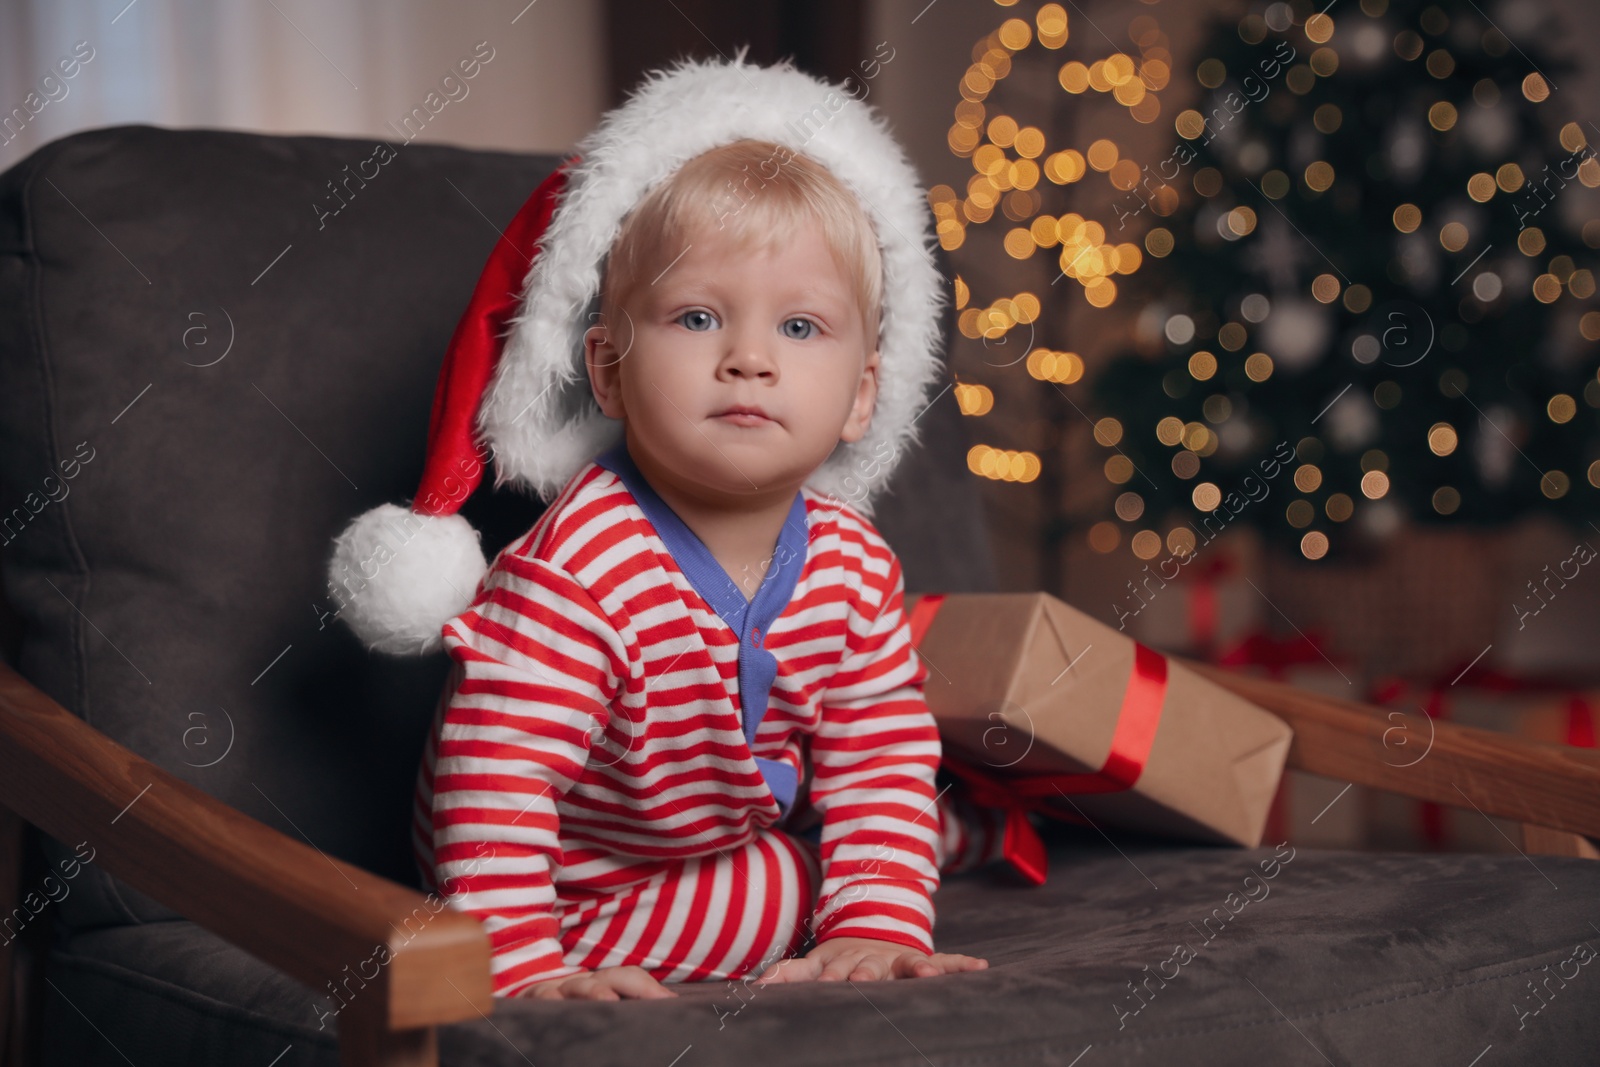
[(974, 399), (1003, 465)]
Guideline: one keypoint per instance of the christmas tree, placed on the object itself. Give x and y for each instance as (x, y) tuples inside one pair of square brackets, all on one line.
[(1369, 303)]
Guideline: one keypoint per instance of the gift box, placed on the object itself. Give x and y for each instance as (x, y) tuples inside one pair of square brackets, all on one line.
[(1308, 809), (1553, 711), (1044, 709), (1208, 603)]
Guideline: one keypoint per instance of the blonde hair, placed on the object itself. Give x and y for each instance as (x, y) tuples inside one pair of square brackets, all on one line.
[(758, 193)]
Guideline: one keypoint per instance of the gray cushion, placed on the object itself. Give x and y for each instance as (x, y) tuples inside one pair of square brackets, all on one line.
[(1366, 958), (173, 596)]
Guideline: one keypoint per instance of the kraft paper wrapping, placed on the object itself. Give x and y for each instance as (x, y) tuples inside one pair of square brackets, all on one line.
[(1023, 684)]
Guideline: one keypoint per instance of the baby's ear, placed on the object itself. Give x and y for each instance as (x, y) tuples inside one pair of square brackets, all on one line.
[(602, 359), (860, 417)]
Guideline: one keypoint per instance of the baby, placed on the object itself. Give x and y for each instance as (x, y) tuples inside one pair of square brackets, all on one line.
[(645, 771)]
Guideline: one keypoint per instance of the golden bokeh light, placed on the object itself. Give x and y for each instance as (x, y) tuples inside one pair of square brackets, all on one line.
[(1104, 537), (974, 399), (1102, 154), (1319, 176), (1074, 77), (1314, 545), (1442, 439), (1258, 367), (1325, 287), (1146, 544), (1189, 124), (1107, 432), (1052, 23), (1045, 365), (1015, 34), (1561, 408), (1407, 217), (1002, 465), (1374, 484)]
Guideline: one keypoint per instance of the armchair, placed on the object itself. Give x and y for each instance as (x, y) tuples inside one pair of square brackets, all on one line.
[(226, 773)]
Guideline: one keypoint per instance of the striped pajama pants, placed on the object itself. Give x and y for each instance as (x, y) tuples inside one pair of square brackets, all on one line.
[(734, 913)]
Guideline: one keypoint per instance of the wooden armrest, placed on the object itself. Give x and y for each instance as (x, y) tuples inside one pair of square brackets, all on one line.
[(311, 916), (1502, 775)]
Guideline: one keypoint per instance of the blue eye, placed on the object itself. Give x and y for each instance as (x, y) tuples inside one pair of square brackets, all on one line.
[(810, 328), (690, 319)]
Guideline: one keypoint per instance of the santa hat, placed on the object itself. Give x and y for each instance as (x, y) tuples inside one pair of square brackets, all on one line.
[(420, 566)]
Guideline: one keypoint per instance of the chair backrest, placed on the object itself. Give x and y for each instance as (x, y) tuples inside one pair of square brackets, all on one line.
[(216, 348)]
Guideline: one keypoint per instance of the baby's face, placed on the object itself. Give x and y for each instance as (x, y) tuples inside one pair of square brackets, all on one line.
[(739, 373)]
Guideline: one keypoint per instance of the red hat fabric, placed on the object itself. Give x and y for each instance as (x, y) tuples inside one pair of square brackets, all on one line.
[(403, 572), (454, 463)]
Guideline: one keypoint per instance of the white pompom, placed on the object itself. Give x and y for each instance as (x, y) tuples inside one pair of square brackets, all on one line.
[(399, 576)]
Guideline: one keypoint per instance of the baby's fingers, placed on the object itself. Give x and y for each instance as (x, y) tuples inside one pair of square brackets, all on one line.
[(635, 982), (953, 962), (798, 969), (915, 965)]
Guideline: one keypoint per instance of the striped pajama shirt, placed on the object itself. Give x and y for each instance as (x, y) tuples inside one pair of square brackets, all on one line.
[(632, 764)]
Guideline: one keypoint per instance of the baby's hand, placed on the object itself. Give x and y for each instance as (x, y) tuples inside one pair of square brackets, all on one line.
[(865, 959), (608, 983)]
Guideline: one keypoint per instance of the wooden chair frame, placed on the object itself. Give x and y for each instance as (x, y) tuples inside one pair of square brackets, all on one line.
[(312, 916)]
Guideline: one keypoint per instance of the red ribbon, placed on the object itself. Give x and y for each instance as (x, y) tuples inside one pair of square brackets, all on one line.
[(1580, 722), (1204, 605), (1135, 732), (1276, 654), (1430, 814)]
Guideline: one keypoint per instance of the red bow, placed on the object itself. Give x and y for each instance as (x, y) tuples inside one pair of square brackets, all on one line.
[(1276, 654), (1204, 609), (1130, 748)]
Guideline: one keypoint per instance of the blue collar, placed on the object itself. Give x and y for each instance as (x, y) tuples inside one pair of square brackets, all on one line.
[(748, 619)]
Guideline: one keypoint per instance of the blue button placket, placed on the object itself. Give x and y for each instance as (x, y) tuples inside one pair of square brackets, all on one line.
[(749, 620)]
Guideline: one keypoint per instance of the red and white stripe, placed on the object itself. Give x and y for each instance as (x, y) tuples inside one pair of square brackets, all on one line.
[(587, 791)]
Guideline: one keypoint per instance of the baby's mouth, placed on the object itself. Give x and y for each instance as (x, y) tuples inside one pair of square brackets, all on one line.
[(745, 415)]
